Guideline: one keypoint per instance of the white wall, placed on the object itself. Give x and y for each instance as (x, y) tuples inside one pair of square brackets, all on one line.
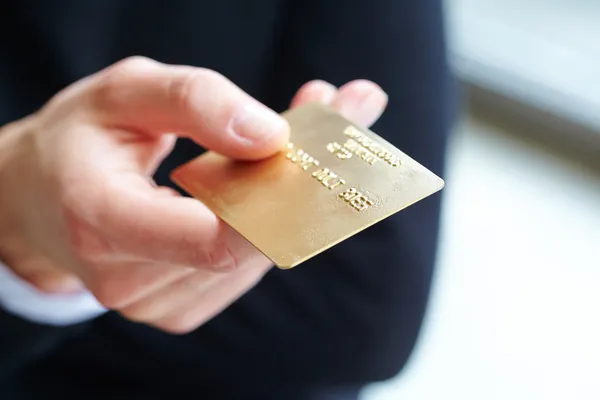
[(544, 52), (515, 313)]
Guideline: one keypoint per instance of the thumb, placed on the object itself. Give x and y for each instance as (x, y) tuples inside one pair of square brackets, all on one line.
[(140, 94)]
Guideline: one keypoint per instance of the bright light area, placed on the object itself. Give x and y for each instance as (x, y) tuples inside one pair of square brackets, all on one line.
[(543, 52), (515, 312)]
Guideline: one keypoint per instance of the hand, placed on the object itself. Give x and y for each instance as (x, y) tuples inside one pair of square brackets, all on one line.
[(78, 207)]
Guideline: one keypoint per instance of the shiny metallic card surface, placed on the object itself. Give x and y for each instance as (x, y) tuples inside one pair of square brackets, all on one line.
[(332, 181)]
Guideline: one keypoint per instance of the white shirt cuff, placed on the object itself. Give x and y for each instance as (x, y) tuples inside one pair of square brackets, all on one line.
[(20, 298)]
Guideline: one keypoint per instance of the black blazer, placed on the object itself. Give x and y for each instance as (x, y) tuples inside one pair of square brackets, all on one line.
[(349, 316)]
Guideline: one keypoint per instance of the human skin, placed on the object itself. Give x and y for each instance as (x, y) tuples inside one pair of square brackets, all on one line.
[(79, 209)]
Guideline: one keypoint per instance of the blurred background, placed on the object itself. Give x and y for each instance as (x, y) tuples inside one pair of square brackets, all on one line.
[(515, 312)]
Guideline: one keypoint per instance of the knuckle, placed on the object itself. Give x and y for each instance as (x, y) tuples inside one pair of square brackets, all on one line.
[(229, 260), (134, 315), (214, 256), (179, 326), (183, 89), (106, 94), (83, 238), (221, 258), (86, 208), (109, 295), (111, 81), (192, 254), (146, 309), (134, 64)]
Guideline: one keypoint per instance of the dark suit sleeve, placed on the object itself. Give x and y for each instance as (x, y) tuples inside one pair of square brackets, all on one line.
[(368, 295), (23, 342)]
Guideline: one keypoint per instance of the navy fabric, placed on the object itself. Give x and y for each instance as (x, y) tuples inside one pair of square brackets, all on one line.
[(346, 318)]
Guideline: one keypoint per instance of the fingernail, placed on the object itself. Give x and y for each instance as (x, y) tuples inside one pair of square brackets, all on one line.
[(256, 123)]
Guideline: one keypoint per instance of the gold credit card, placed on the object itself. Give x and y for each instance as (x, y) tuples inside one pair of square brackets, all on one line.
[(333, 180)]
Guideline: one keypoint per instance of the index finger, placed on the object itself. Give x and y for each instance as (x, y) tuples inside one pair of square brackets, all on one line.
[(173, 230), (143, 95)]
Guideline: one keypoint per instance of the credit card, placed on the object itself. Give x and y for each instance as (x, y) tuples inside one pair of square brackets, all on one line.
[(333, 180)]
